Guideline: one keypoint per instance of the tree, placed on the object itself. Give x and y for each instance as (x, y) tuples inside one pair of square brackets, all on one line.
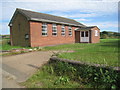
[(104, 36), (105, 32)]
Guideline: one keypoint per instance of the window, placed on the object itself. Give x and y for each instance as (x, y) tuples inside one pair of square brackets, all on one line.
[(70, 31), (44, 29), (82, 33), (63, 30), (86, 33), (96, 33), (26, 36), (54, 29)]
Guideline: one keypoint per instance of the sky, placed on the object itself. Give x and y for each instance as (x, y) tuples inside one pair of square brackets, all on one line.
[(101, 13)]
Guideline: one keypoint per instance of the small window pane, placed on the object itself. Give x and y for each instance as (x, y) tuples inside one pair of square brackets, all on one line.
[(86, 34), (63, 30), (54, 33), (44, 33), (82, 34), (70, 31), (44, 29), (54, 29)]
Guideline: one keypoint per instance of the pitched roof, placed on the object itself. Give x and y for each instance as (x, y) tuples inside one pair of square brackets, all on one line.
[(85, 28), (35, 16)]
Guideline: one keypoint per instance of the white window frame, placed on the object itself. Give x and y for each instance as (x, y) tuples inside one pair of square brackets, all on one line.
[(44, 29), (96, 32), (63, 30), (70, 31), (54, 29)]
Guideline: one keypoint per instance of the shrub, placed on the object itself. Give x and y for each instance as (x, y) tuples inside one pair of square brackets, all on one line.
[(62, 80), (96, 77), (104, 36)]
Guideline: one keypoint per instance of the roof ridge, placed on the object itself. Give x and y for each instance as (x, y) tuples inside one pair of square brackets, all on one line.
[(38, 16)]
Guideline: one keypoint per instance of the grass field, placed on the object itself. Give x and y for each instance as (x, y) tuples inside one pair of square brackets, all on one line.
[(105, 52), (5, 46)]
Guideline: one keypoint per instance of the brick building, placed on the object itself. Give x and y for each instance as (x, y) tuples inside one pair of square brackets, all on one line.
[(28, 28)]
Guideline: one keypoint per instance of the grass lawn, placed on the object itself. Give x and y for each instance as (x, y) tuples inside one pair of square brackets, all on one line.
[(105, 52), (5, 46)]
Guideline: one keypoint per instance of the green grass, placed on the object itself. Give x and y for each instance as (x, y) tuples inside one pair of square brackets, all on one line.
[(5, 46), (43, 79), (105, 52)]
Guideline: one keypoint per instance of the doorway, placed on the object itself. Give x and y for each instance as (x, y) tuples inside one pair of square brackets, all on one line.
[(84, 36)]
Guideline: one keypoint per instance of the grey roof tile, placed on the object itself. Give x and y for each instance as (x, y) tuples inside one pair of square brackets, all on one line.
[(85, 28), (41, 16)]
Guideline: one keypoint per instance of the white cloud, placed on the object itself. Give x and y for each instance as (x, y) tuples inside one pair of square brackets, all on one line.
[(46, 0), (83, 15), (82, 19), (93, 9), (75, 15), (57, 0), (111, 0), (97, 6), (104, 24)]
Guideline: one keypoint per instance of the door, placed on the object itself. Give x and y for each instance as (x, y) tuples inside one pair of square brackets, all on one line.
[(84, 36)]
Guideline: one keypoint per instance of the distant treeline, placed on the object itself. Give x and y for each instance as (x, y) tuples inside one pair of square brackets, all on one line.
[(5, 36), (107, 34)]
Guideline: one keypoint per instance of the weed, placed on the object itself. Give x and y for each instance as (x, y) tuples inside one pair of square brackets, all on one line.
[(97, 77), (61, 80)]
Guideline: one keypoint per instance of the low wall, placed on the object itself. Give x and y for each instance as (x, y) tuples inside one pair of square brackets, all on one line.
[(95, 74), (83, 63)]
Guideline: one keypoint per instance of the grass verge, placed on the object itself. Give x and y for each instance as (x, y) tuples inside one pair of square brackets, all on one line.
[(64, 75), (105, 52)]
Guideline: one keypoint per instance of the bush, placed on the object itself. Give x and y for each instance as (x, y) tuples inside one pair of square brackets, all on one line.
[(96, 77), (104, 36)]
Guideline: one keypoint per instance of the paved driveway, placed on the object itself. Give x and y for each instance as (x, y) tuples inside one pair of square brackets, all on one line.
[(22, 66)]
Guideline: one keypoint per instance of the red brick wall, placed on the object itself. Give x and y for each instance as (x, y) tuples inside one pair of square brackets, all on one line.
[(95, 39), (37, 39)]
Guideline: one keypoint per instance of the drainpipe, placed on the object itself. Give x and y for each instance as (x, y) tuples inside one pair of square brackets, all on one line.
[(11, 41)]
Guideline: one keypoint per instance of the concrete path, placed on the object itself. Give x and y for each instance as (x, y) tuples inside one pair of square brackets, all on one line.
[(9, 80), (22, 66)]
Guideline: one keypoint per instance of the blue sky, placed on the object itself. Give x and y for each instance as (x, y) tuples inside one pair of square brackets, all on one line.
[(101, 13)]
